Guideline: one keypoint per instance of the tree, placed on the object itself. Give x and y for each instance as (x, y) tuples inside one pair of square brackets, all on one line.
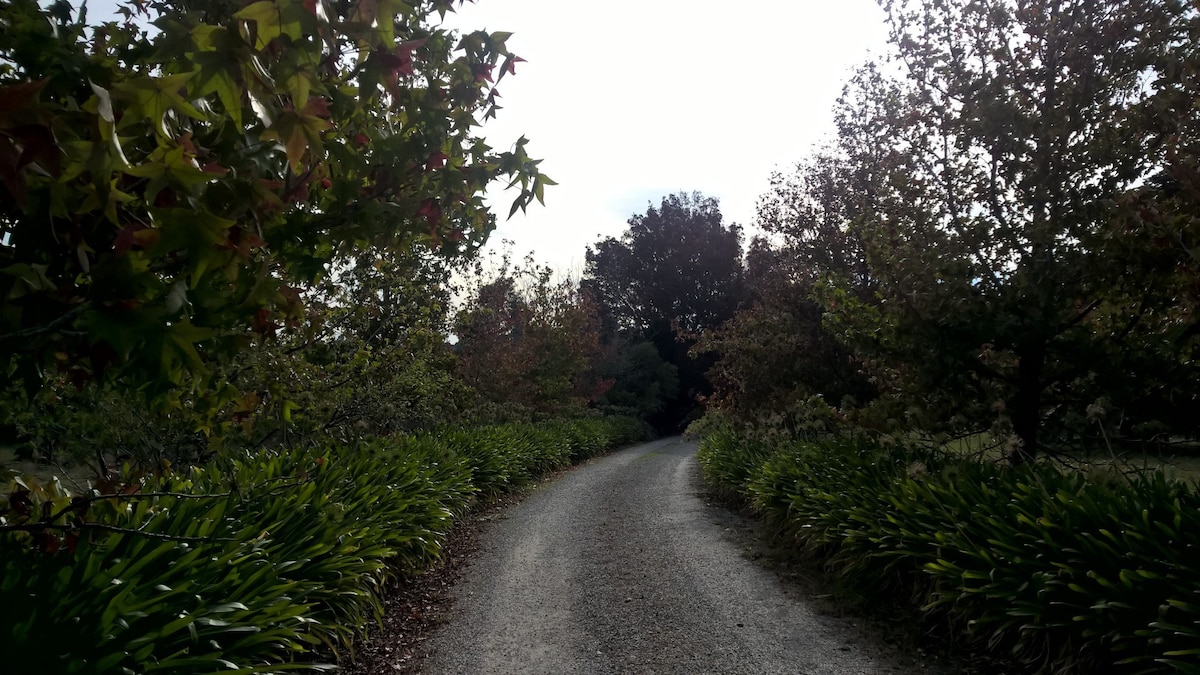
[(677, 264), (527, 343), (775, 357), (168, 195), (676, 272), (371, 360), (636, 380), (991, 170)]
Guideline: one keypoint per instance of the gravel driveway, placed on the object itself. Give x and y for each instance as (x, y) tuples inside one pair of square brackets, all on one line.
[(620, 567)]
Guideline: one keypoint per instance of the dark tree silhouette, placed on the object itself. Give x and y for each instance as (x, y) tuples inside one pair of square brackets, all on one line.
[(674, 274)]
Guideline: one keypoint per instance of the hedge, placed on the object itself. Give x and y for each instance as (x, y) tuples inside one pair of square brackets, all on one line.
[(1059, 571), (254, 563)]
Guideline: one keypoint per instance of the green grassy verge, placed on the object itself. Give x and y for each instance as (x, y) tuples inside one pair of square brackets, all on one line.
[(1057, 570), (253, 563)]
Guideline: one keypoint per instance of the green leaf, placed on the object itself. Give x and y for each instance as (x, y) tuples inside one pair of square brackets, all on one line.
[(153, 98)]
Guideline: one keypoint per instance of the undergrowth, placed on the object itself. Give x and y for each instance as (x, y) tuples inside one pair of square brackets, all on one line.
[(1057, 572), (255, 562)]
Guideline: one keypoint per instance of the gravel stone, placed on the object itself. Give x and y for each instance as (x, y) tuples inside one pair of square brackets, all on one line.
[(620, 566)]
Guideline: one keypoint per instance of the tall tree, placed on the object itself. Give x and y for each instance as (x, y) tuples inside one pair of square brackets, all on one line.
[(775, 359), (528, 343), (677, 265), (168, 194), (993, 167), (675, 273)]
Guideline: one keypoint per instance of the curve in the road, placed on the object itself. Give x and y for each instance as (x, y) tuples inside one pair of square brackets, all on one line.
[(621, 567)]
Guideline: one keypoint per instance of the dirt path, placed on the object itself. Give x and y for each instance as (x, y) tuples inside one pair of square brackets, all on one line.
[(620, 567)]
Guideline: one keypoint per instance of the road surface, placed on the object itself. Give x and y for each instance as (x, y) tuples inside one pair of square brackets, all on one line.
[(620, 566)]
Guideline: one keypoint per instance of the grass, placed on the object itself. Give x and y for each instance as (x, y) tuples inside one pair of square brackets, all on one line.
[(1184, 465)]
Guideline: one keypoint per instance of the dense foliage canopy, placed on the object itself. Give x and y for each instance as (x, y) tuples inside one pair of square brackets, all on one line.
[(675, 273), (175, 182), (1003, 231)]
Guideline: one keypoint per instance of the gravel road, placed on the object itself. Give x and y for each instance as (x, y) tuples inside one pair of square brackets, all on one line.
[(621, 567)]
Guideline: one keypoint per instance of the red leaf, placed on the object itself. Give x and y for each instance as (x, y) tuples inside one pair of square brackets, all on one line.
[(482, 71), (261, 322), (317, 106), (127, 238), (436, 161), (431, 211), (20, 502)]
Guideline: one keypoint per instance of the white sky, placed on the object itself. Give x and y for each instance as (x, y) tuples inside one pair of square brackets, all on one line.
[(630, 100)]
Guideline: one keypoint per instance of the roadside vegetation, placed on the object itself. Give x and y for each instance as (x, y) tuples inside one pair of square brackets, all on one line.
[(252, 352), (964, 379), (252, 367)]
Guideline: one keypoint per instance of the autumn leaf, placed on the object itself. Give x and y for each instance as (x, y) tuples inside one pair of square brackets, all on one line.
[(482, 71), (510, 64), (436, 161), (297, 131)]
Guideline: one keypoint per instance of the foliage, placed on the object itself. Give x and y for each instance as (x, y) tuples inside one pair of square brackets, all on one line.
[(527, 341), (985, 233), (289, 553), (676, 272), (639, 382), (255, 562), (1065, 572), (170, 193), (676, 265), (372, 361), (98, 425), (775, 354)]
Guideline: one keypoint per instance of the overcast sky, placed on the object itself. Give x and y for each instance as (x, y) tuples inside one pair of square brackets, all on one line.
[(630, 100)]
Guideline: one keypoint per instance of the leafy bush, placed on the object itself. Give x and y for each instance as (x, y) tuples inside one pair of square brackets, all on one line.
[(1062, 572), (727, 460), (250, 562)]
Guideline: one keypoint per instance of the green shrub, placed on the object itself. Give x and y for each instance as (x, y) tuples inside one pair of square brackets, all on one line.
[(1062, 573), (251, 562), (727, 461)]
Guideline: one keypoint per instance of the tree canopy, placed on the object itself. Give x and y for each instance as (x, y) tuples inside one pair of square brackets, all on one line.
[(675, 273), (986, 250), (677, 264), (169, 194)]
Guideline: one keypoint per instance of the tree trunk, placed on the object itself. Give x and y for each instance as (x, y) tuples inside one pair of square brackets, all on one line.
[(1026, 406)]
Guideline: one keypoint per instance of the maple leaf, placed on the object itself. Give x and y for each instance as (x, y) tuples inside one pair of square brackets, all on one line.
[(219, 69), (297, 131), (510, 64), (396, 62), (482, 71), (128, 237), (317, 106), (169, 168), (151, 98), (272, 19), (431, 211), (20, 97), (436, 161)]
